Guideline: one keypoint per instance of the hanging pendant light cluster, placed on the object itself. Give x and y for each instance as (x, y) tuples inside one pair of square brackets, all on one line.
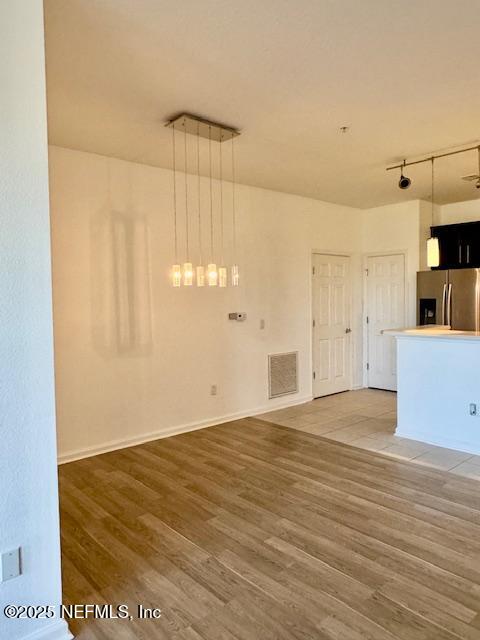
[(212, 275)]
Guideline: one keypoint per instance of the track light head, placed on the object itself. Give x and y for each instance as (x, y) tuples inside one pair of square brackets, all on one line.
[(404, 182)]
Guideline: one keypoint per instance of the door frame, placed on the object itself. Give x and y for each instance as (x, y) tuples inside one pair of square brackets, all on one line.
[(338, 254), (365, 257)]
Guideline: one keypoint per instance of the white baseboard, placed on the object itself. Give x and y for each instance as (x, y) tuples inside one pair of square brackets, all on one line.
[(439, 441), (57, 630), (122, 443)]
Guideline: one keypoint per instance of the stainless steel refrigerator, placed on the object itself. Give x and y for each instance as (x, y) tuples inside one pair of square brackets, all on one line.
[(450, 297)]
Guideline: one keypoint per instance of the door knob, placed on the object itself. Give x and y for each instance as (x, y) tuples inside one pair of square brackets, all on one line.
[(348, 331)]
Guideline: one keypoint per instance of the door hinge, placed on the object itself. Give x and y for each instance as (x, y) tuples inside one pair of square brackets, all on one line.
[(313, 322), (313, 271), (368, 320), (368, 366), (314, 375)]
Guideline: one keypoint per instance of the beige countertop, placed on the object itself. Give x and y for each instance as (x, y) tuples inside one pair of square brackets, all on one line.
[(433, 331)]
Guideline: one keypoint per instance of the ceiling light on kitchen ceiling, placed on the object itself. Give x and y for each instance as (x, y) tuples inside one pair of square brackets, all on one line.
[(216, 133), (404, 182), (433, 249)]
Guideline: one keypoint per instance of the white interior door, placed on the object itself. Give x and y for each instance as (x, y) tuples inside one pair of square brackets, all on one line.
[(385, 310), (331, 324)]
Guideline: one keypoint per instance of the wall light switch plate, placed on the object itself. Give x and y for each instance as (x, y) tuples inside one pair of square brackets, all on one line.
[(10, 564)]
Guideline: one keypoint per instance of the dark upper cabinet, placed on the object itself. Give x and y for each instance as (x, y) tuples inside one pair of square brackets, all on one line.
[(459, 245)]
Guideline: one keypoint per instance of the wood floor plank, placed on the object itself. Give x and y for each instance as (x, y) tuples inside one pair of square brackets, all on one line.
[(249, 531)]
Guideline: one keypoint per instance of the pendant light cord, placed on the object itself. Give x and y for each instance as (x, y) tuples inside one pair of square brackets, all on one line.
[(199, 196), (221, 193), (186, 191), (211, 198), (234, 220), (478, 149), (433, 190), (174, 195)]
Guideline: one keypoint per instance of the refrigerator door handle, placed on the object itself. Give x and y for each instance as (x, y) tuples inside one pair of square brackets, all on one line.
[(449, 306), (444, 302)]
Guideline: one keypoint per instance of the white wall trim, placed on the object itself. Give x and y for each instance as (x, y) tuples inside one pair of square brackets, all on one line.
[(438, 440), (113, 445), (58, 630)]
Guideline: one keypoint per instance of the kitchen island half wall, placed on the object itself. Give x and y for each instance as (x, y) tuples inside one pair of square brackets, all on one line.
[(439, 387)]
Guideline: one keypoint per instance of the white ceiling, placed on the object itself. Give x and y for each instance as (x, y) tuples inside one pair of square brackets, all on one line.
[(403, 75)]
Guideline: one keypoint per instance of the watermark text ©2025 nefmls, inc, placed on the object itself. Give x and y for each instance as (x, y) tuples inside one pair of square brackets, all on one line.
[(82, 612)]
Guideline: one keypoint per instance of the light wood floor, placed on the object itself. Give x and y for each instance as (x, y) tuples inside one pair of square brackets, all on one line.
[(256, 532)]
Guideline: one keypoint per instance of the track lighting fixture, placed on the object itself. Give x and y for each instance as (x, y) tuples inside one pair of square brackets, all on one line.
[(404, 182)]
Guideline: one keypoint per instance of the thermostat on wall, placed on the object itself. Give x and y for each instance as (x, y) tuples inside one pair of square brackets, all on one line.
[(239, 316)]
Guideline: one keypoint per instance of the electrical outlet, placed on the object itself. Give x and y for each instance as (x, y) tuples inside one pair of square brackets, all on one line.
[(10, 565), (213, 390), (473, 409)]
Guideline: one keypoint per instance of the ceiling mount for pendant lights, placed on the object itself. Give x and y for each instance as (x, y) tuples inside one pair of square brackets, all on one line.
[(197, 126), (191, 125)]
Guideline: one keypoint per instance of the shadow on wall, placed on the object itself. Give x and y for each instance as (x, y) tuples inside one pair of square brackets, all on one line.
[(121, 296)]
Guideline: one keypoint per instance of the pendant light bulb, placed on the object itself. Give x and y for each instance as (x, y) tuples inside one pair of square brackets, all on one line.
[(187, 274), (433, 248), (200, 276), (235, 276), (433, 252), (176, 275), (212, 275), (222, 276)]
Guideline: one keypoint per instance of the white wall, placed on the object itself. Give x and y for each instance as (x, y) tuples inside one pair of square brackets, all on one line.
[(136, 361), (468, 211), (28, 474), (135, 357), (392, 228)]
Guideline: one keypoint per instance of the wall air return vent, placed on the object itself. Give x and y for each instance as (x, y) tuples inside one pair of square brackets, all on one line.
[(282, 374)]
